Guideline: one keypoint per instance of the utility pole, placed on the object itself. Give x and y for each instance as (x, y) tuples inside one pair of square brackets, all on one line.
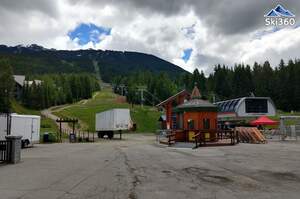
[(8, 116), (122, 86), (142, 89)]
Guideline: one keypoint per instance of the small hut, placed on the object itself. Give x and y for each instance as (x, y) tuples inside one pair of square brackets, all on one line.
[(197, 115), (169, 120), (193, 116)]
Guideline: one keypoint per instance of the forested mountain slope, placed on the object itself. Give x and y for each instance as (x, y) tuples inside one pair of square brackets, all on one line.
[(35, 59)]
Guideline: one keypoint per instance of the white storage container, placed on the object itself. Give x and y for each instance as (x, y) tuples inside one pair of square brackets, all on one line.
[(27, 126), (113, 120)]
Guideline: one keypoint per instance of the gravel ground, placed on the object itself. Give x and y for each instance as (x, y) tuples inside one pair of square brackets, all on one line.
[(137, 167)]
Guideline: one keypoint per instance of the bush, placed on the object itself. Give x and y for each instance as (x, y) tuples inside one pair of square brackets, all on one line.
[(53, 137)]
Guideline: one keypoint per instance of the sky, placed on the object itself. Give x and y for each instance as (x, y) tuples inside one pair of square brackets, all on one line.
[(191, 34)]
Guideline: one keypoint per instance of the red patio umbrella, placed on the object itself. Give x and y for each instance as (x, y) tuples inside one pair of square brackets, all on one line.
[(263, 120)]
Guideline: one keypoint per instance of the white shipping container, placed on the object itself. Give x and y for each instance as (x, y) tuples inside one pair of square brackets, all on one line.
[(27, 126), (113, 120)]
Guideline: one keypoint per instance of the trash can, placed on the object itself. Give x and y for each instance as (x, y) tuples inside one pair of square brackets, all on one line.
[(46, 137), (72, 137), (14, 148), (134, 127)]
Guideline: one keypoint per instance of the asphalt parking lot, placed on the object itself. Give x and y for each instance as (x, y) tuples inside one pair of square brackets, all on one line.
[(137, 167)]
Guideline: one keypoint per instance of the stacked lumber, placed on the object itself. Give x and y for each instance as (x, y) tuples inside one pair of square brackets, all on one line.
[(250, 135)]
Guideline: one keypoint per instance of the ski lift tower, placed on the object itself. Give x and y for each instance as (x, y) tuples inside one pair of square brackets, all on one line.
[(142, 89)]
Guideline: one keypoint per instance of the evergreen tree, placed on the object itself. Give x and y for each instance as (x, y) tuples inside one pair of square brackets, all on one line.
[(6, 86)]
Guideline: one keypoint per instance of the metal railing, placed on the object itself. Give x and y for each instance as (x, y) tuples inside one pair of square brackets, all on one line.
[(201, 140), (5, 150)]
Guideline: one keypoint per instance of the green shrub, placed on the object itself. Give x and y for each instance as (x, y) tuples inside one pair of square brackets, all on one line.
[(52, 137), (45, 126)]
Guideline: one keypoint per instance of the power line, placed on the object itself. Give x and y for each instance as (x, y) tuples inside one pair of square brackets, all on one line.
[(156, 98), (142, 89)]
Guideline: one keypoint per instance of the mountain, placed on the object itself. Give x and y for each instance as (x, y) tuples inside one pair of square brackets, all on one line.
[(272, 13), (283, 12), (34, 59)]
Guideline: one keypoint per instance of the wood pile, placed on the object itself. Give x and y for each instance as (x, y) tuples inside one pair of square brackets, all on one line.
[(250, 135)]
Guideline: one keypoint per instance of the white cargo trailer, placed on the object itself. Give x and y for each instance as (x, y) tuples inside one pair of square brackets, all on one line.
[(108, 122), (27, 126)]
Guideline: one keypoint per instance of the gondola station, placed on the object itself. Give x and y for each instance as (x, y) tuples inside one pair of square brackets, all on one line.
[(189, 118)]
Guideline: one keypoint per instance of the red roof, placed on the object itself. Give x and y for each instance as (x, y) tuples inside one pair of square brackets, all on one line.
[(263, 120)]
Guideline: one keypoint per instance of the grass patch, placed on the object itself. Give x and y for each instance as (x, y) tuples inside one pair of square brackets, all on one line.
[(18, 108), (145, 118), (287, 122)]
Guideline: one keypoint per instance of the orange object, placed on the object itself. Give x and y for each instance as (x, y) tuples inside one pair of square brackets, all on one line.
[(250, 135)]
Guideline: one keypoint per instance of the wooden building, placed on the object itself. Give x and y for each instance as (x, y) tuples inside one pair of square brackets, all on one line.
[(170, 119), (20, 82), (191, 115)]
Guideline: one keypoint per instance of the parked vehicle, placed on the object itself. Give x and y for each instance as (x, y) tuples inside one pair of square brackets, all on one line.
[(113, 120), (27, 126)]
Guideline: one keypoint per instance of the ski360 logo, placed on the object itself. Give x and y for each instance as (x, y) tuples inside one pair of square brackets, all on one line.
[(279, 16)]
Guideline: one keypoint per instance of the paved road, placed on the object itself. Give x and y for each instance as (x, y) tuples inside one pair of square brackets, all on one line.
[(136, 167)]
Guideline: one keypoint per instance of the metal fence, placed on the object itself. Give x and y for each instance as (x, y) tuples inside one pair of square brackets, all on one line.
[(77, 136), (5, 125), (293, 130), (5, 150)]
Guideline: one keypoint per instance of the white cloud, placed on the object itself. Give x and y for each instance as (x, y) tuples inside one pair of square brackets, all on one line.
[(148, 32)]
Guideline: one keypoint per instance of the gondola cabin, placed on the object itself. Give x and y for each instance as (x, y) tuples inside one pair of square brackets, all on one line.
[(191, 115)]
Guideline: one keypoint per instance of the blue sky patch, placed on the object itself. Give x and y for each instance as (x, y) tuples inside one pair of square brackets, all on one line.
[(86, 33), (187, 54)]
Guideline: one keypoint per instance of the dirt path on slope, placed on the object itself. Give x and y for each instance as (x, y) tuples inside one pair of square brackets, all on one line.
[(65, 126)]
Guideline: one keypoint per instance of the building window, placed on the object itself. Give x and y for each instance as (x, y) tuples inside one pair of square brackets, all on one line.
[(256, 105), (180, 125), (174, 121), (191, 124), (206, 123)]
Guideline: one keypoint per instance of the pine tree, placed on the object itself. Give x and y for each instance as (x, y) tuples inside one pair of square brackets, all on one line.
[(6, 86)]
